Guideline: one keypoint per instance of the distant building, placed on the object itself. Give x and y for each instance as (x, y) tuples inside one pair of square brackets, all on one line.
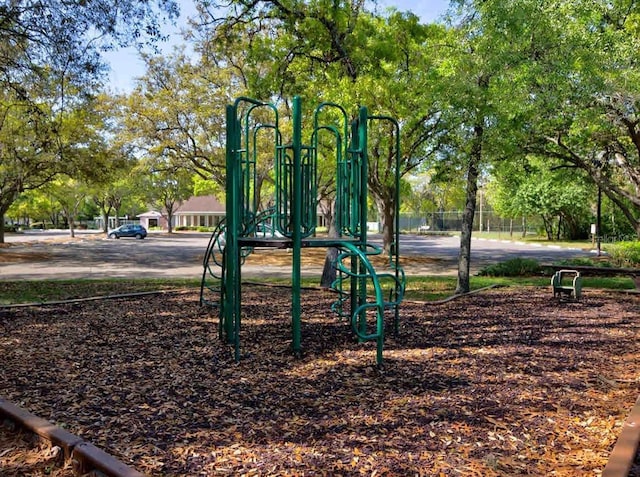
[(153, 219), (201, 211)]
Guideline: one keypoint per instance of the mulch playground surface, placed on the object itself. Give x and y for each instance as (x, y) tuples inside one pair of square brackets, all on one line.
[(504, 382)]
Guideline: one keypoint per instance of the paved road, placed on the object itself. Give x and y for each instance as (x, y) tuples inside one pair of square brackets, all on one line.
[(484, 251), (90, 255), (41, 255)]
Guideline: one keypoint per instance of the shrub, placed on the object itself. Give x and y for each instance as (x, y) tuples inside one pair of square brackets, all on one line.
[(193, 228), (624, 254), (514, 267)]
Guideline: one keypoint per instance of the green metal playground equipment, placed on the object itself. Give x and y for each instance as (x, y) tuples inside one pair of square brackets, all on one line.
[(363, 295)]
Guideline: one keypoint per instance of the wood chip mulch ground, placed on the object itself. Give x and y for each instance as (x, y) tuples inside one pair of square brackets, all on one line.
[(23, 454), (506, 382)]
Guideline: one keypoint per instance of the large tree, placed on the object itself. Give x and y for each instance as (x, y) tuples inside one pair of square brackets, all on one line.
[(468, 77), (177, 110), (68, 36), (26, 150), (69, 194), (558, 196), (400, 84), (574, 100), (338, 52), (49, 62), (595, 127), (502, 57), (168, 187)]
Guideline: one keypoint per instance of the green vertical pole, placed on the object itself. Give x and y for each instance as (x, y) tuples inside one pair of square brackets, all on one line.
[(364, 171), (296, 211), (353, 194), (364, 174), (237, 204), (230, 256), (396, 198)]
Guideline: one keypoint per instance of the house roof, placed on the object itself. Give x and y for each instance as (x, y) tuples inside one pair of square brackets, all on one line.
[(151, 214), (204, 204)]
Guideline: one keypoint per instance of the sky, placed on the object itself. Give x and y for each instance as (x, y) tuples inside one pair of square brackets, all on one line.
[(126, 65)]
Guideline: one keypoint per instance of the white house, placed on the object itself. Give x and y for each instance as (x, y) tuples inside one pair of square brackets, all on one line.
[(201, 211), (153, 219)]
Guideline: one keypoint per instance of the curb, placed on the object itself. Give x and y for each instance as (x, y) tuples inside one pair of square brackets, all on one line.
[(85, 457), (624, 452)]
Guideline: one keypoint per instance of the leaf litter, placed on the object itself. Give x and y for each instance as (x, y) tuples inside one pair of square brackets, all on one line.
[(507, 382)]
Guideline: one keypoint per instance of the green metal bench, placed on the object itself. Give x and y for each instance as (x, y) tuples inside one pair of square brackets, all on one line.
[(567, 282)]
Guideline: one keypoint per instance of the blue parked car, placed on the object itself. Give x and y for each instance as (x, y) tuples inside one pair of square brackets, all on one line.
[(137, 231)]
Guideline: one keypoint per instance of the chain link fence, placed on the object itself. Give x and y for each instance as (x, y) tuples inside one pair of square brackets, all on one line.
[(451, 221)]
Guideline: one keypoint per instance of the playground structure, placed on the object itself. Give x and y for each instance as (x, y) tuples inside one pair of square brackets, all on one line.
[(363, 295)]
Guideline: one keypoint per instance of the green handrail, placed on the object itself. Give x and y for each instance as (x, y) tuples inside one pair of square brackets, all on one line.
[(364, 272)]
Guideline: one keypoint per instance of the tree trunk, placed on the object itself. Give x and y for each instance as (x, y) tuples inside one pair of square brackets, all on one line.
[(386, 213), (547, 227), (5, 204), (2, 227), (105, 221), (627, 211), (329, 272), (169, 219), (559, 229), (116, 205), (464, 258), (105, 211), (69, 215)]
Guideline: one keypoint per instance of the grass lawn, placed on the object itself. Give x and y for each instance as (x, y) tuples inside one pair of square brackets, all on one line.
[(419, 288)]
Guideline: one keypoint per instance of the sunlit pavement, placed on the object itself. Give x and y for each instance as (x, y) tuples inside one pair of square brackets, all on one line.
[(55, 255)]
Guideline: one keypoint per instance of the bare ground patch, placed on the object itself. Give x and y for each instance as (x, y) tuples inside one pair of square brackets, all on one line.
[(7, 255)]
